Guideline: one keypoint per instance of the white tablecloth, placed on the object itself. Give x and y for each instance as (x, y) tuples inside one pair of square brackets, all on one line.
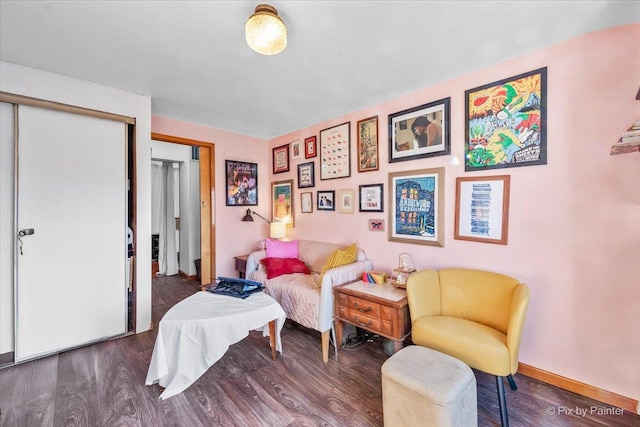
[(196, 332)]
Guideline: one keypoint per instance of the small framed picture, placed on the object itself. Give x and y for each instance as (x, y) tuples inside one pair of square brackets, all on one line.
[(281, 159), (306, 202), (376, 224), (306, 175), (310, 147), (335, 152), (420, 132), (368, 144), (371, 198), (346, 201), (296, 150), (325, 201)]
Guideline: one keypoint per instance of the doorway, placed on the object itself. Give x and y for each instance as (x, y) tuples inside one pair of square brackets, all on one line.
[(206, 155)]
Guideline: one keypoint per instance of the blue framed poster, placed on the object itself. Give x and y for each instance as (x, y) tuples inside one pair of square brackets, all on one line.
[(417, 207)]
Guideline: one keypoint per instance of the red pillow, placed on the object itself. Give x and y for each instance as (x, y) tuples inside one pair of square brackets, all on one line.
[(278, 266)]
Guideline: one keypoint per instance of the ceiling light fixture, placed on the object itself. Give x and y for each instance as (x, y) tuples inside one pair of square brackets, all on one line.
[(265, 32)]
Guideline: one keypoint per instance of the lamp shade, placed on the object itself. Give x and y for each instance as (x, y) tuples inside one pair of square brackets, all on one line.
[(278, 230), (265, 32)]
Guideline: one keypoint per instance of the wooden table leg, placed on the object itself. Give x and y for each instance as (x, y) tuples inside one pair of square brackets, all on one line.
[(339, 330), (272, 339), (397, 346)]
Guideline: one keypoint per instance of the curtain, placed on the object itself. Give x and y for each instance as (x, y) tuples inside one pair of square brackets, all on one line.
[(163, 191)]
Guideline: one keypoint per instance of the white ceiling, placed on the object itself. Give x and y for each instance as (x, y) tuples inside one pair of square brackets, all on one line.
[(190, 57)]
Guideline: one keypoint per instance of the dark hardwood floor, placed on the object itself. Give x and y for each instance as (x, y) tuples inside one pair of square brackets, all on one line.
[(103, 385)]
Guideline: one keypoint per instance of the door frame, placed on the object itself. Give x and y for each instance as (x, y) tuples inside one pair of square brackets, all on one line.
[(207, 187)]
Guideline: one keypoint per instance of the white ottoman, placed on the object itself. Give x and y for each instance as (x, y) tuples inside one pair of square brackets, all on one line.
[(423, 387)]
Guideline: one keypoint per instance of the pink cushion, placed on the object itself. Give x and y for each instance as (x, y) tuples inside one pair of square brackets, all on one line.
[(278, 266), (282, 249)]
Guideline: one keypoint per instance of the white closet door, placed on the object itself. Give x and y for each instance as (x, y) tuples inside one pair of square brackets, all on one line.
[(71, 192)]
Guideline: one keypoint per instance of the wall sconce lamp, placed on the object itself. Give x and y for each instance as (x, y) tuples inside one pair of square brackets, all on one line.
[(277, 230), (248, 216)]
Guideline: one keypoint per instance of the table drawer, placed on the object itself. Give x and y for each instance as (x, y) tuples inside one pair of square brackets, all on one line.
[(363, 306), (370, 323)]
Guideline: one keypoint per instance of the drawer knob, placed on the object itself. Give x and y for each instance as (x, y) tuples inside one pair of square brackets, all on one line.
[(369, 323), (368, 309)]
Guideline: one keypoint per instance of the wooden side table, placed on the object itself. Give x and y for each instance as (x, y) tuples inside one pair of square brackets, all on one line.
[(381, 309), (241, 265)]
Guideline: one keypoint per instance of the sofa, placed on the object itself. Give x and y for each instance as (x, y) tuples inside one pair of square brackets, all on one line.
[(305, 291)]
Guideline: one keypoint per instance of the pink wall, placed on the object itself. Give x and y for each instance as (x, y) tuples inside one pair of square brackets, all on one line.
[(574, 228)]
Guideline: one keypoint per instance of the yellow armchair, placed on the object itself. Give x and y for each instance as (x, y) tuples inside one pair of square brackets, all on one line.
[(473, 315)]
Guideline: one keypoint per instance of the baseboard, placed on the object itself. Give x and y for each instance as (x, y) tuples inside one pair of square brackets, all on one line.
[(186, 276), (6, 358), (604, 396)]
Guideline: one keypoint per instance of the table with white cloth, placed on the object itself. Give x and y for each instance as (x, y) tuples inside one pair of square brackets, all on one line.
[(196, 332)]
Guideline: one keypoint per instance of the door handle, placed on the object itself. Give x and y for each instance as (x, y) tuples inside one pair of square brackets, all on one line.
[(26, 232)]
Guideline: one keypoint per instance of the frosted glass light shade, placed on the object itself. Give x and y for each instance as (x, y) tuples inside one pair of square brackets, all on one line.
[(265, 32), (278, 230)]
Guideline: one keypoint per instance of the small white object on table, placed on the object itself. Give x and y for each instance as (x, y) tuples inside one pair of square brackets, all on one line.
[(196, 332)]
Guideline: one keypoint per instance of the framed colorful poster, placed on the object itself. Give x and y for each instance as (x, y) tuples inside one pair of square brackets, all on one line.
[(371, 198), (482, 209), (242, 183), (282, 202), (346, 201), (281, 159), (306, 175), (296, 150), (310, 147), (506, 123), (306, 202), (416, 212), (325, 200), (368, 144), (419, 132), (335, 152)]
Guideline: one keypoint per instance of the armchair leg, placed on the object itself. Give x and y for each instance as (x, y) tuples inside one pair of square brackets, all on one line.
[(504, 417), (512, 382), (325, 346)]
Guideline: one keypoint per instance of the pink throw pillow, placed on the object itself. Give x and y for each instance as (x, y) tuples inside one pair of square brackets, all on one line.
[(278, 266), (282, 249)]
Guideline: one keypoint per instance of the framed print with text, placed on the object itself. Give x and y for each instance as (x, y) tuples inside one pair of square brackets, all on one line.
[(482, 209), (368, 144), (335, 152), (416, 207), (282, 202), (306, 202), (419, 132), (281, 159), (242, 183), (306, 175), (371, 198)]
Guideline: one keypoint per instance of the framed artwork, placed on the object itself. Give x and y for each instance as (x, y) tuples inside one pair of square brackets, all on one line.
[(242, 183), (281, 159), (419, 132), (306, 202), (296, 150), (310, 147), (306, 175), (376, 224), (282, 202), (346, 201), (335, 152), (325, 201), (371, 198), (368, 144), (482, 209), (506, 123), (416, 211)]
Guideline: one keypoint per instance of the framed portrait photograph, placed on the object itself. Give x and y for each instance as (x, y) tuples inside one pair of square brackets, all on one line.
[(420, 132), (310, 147), (282, 202), (325, 200), (306, 202), (368, 144), (346, 200), (416, 207), (376, 224), (506, 123), (242, 183), (482, 209), (335, 152), (371, 198), (296, 150), (306, 175), (281, 159)]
